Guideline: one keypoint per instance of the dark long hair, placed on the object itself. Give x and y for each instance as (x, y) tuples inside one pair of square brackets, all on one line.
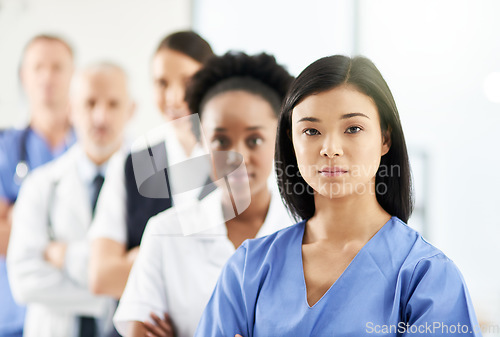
[(323, 75), (188, 43)]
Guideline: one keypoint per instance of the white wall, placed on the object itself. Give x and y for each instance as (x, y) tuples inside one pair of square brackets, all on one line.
[(124, 31), (297, 32), (435, 56)]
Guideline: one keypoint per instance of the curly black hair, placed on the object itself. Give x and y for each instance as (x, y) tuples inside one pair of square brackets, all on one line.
[(259, 74)]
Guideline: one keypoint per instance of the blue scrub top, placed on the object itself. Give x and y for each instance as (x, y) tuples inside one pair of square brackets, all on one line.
[(397, 285), (37, 152)]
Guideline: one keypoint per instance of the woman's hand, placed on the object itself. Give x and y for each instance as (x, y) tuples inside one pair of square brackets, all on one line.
[(161, 328), (238, 335)]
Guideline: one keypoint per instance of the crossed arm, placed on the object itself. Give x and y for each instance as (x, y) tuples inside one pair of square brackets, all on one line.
[(5, 225), (36, 275), (109, 267)]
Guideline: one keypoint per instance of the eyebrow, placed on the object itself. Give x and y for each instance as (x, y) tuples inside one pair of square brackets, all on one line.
[(251, 128), (345, 116), (309, 119), (354, 114)]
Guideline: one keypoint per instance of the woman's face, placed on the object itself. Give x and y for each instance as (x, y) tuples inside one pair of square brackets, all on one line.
[(171, 73), (242, 122), (338, 142)]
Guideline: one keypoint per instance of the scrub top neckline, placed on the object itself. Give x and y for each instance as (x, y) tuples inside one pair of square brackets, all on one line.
[(58, 149), (300, 237)]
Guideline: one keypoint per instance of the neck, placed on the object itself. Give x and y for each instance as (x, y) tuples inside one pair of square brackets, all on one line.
[(183, 132), (345, 219), (258, 208), (98, 160), (51, 123), (99, 154), (188, 144)]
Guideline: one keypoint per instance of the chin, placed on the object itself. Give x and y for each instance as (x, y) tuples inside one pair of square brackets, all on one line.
[(330, 190), (240, 189), (346, 190), (255, 189), (48, 100), (170, 116), (166, 118), (104, 149)]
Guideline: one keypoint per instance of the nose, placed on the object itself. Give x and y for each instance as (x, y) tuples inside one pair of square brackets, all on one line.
[(331, 148), (233, 159), (174, 96), (245, 152), (46, 75), (100, 114)]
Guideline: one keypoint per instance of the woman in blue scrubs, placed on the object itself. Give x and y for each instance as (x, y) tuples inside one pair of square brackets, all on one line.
[(351, 266)]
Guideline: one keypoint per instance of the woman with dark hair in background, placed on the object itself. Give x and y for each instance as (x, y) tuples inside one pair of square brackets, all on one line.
[(351, 266), (238, 98), (122, 211)]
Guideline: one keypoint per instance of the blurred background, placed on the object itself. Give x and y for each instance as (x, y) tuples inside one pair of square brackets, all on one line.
[(440, 58)]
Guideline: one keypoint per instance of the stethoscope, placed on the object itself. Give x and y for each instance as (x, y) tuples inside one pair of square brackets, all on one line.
[(22, 168)]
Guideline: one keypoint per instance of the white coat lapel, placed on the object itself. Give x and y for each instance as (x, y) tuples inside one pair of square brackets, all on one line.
[(71, 213)]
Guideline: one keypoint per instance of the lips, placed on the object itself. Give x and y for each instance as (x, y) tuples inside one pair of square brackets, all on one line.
[(333, 171), (101, 132), (176, 113), (241, 176)]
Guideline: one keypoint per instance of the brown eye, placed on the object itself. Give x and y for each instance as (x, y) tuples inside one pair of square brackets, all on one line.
[(311, 132), (353, 129), (161, 83), (91, 103), (113, 104), (220, 143), (254, 142)]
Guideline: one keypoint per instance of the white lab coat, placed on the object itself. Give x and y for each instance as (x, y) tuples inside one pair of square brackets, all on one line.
[(177, 274), (54, 297)]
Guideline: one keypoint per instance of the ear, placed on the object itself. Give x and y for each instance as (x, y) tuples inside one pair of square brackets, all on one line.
[(20, 72), (386, 141), (71, 114), (133, 107)]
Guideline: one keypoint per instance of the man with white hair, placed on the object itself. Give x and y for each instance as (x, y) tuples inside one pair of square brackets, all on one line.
[(48, 251)]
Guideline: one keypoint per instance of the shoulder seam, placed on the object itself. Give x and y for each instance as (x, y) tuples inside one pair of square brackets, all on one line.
[(413, 273)]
